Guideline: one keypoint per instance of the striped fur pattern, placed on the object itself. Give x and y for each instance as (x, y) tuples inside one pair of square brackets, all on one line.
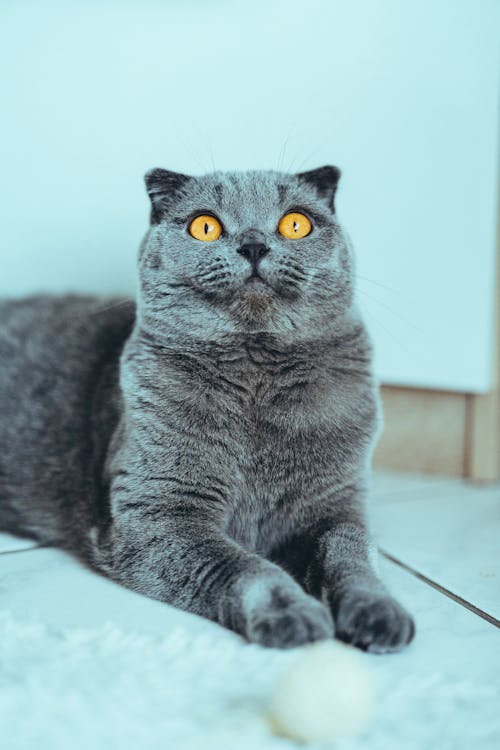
[(209, 444)]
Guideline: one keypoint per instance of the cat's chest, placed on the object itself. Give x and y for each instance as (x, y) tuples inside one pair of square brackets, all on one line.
[(271, 410), (282, 420), (274, 432), (261, 389)]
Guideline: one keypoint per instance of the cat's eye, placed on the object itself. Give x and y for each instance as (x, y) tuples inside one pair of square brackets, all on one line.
[(294, 226), (205, 228)]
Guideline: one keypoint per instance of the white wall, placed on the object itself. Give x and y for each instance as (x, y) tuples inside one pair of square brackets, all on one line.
[(402, 95)]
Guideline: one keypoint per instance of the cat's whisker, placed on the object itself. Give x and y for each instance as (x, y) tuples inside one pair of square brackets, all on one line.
[(293, 159), (389, 309), (398, 341), (194, 154), (281, 156), (122, 302), (214, 169), (211, 270), (313, 268), (291, 275), (305, 160), (290, 284), (378, 283)]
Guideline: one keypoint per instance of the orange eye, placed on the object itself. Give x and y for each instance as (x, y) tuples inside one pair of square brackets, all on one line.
[(205, 228), (294, 226)]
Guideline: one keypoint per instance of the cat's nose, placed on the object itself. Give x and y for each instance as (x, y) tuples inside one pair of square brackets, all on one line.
[(253, 252)]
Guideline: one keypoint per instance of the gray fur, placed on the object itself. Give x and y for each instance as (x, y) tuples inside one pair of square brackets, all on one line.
[(211, 446)]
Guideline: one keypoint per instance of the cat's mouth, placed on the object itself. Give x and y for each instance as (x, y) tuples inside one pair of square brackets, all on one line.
[(256, 280)]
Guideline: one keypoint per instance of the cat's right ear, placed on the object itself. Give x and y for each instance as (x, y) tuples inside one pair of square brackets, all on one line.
[(162, 186), (324, 180)]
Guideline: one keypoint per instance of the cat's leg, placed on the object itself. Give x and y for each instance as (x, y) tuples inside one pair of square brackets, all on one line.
[(333, 558), (182, 558)]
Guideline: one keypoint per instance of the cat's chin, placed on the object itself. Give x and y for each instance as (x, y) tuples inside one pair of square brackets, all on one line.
[(257, 288), (253, 304)]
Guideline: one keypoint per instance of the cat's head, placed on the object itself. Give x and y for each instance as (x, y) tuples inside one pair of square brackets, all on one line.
[(244, 252)]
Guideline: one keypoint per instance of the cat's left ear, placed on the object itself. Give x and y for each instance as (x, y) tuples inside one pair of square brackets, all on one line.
[(162, 186), (325, 181)]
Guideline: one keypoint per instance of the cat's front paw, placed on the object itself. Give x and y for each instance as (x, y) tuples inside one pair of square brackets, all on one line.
[(373, 622), (286, 622)]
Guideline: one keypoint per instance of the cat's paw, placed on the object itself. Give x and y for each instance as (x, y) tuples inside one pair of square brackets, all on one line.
[(286, 622), (373, 622)]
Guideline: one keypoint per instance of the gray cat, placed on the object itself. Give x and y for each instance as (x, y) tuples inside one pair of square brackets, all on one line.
[(210, 446)]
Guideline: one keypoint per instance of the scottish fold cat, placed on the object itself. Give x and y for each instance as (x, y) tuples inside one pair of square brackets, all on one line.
[(210, 444)]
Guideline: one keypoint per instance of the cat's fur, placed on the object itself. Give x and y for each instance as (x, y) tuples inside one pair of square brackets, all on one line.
[(210, 447)]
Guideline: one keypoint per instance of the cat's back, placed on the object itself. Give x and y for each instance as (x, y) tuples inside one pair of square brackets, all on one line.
[(55, 352), (53, 322), (56, 341)]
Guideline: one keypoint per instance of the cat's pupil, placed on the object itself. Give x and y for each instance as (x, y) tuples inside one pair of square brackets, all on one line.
[(207, 228), (295, 226)]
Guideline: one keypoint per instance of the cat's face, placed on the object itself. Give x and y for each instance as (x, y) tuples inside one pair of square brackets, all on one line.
[(279, 262)]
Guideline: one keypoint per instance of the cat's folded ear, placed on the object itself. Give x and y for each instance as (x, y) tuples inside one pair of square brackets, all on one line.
[(162, 186), (325, 181)]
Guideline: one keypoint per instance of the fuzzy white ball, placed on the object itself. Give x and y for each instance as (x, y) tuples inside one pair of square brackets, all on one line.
[(326, 693)]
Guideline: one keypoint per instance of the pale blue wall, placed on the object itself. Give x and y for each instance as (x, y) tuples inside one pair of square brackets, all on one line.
[(402, 95)]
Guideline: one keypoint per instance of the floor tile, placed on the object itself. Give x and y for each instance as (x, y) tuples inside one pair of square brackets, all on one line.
[(450, 533), (456, 654)]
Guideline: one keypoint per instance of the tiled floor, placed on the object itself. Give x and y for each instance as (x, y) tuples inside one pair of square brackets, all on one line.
[(446, 530), (442, 692)]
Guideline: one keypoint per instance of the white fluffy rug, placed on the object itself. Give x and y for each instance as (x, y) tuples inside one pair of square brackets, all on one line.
[(93, 689)]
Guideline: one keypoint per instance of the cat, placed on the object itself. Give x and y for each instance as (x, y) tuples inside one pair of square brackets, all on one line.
[(210, 445)]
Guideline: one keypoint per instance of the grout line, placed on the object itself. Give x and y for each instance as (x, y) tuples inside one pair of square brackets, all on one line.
[(457, 599)]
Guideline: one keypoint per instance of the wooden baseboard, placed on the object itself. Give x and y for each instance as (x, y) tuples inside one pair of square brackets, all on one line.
[(439, 432), (424, 431), (483, 450)]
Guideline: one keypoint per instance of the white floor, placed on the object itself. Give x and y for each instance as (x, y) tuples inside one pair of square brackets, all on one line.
[(87, 664)]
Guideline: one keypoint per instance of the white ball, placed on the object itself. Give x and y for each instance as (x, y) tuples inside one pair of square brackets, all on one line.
[(327, 693)]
